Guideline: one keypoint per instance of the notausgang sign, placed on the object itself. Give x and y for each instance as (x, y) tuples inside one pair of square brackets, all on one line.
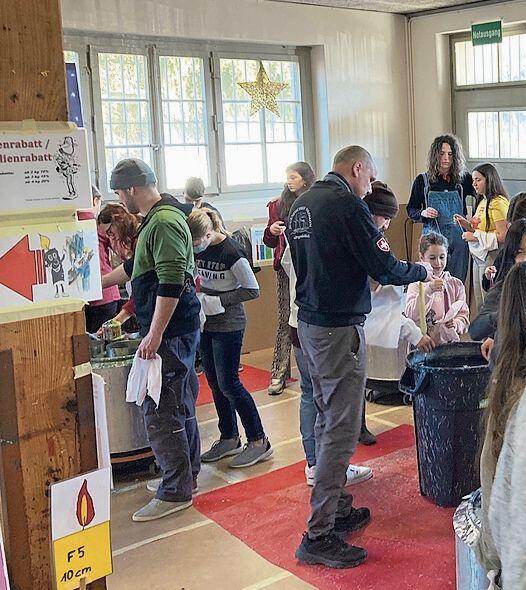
[(486, 33)]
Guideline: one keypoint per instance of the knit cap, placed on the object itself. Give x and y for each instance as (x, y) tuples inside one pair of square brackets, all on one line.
[(131, 172), (381, 200)]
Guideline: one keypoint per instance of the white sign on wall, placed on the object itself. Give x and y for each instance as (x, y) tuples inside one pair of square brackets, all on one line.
[(43, 170), (49, 262)]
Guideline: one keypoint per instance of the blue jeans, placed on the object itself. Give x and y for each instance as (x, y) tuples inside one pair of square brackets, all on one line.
[(308, 410), (172, 426), (220, 353)]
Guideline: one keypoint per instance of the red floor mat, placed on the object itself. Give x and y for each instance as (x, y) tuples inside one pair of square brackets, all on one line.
[(410, 540), (253, 379)]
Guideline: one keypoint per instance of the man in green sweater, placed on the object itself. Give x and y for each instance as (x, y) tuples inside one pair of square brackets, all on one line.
[(167, 311)]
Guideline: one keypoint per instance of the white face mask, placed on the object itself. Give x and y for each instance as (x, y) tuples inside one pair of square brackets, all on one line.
[(202, 246)]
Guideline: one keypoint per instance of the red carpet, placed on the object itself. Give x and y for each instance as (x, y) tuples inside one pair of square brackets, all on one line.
[(253, 379), (410, 540)]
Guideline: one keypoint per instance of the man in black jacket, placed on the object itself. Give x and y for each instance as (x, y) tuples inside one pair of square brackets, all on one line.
[(335, 246)]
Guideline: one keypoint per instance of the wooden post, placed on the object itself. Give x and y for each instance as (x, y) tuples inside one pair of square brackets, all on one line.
[(47, 430)]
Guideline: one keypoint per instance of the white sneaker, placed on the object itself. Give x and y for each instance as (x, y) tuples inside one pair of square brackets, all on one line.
[(355, 474), (358, 474)]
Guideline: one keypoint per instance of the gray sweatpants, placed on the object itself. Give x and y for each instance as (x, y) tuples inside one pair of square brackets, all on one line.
[(336, 358)]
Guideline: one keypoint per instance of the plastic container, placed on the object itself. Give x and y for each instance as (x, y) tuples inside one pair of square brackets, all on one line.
[(448, 386), (467, 523)]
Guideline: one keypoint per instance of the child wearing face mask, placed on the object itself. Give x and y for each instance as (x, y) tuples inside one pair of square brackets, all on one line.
[(226, 281), (447, 312)]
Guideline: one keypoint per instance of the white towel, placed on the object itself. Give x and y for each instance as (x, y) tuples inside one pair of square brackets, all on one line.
[(210, 304), (449, 334), (144, 379), (487, 242)]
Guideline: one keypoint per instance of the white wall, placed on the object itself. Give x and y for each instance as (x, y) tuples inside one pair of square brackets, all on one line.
[(359, 65), (431, 66)]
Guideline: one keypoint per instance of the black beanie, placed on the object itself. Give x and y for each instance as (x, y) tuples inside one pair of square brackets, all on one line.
[(131, 172), (381, 200)]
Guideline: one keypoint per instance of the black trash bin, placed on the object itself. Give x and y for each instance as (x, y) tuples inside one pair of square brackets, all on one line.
[(448, 386)]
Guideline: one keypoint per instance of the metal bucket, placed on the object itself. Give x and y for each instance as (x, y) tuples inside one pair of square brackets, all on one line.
[(127, 433), (466, 522)]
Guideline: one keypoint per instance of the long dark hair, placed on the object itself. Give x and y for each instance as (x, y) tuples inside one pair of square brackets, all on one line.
[(509, 377), (494, 186), (516, 232), (458, 164), (287, 196), (517, 208)]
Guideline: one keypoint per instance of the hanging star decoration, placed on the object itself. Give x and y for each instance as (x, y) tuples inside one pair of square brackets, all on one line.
[(263, 92)]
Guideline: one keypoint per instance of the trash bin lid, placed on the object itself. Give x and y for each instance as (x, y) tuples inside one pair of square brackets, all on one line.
[(454, 357)]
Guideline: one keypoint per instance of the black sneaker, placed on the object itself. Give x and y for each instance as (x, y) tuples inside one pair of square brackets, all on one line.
[(367, 438), (357, 519), (331, 551)]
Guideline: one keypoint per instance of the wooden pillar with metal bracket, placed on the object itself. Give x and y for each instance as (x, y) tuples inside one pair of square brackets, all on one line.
[(47, 430)]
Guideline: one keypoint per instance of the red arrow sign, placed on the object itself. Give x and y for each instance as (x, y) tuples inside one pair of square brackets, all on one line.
[(21, 268)]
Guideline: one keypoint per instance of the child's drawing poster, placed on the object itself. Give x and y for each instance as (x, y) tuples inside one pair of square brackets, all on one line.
[(44, 169), (49, 262)]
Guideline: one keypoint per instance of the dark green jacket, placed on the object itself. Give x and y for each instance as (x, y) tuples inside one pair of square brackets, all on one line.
[(163, 265)]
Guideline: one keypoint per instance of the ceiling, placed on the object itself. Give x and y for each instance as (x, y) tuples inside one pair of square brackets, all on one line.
[(397, 6)]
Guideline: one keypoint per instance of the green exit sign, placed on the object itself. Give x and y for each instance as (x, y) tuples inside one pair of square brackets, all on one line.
[(486, 33)]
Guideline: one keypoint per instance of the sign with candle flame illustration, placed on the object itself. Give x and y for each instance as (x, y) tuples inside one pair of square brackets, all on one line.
[(80, 527), (85, 507)]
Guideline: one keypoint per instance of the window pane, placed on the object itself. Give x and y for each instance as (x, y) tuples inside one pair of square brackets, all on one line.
[(183, 162), (512, 134), (476, 65), (125, 107), (277, 154), (483, 131), (183, 119), (513, 58), (244, 164), (248, 138)]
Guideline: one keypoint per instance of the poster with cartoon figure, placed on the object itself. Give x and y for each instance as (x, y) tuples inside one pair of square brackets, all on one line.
[(49, 262), (44, 169)]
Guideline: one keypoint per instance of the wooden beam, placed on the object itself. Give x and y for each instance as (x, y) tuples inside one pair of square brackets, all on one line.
[(47, 430), (31, 61)]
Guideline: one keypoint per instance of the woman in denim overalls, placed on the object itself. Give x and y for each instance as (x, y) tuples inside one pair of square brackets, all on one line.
[(439, 194)]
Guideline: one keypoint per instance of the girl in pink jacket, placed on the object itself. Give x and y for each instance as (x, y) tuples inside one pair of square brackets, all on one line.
[(447, 312)]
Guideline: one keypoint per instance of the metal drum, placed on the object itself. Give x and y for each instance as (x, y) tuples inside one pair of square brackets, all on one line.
[(128, 439)]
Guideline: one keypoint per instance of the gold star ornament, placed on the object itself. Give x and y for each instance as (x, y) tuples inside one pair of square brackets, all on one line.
[(263, 92)]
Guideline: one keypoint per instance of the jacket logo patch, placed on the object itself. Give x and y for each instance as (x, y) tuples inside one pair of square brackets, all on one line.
[(300, 223), (383, 244)]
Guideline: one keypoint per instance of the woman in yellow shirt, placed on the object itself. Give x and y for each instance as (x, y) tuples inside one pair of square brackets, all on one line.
[(487, 229)]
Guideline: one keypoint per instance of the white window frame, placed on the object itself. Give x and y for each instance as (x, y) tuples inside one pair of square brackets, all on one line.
[(88, 47), (506, 32), (216, 59)]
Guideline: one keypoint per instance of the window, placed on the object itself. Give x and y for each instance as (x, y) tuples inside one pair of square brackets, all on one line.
[(184, 128), (497, 135), (125, 106), (257, 146), (177, 105), (491, 64)]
